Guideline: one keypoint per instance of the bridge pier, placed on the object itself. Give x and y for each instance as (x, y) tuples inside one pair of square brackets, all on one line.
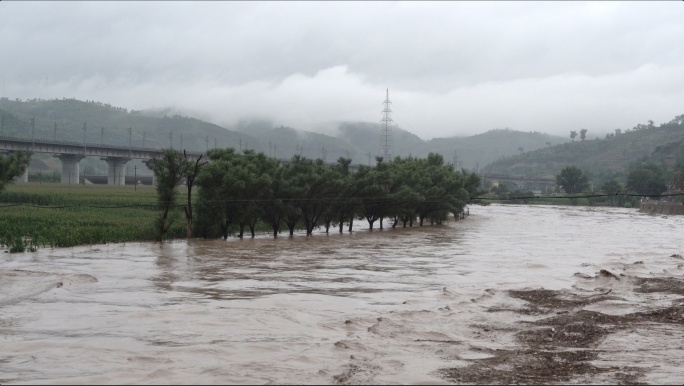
[(70, 167), (116, 174), (149, 163)]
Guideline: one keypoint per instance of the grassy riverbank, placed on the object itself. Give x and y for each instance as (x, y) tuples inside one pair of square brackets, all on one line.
[(35, 215)]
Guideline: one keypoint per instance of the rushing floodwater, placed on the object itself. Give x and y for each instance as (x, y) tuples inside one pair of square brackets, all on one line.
[(372, 305)]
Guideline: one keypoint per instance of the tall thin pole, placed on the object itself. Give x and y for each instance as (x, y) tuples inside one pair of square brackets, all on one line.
[(386, 132)]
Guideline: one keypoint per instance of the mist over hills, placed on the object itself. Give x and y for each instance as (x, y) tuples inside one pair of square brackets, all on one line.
[(96, 122)]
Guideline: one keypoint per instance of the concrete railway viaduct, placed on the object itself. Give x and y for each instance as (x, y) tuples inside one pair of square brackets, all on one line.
[(71, 153)]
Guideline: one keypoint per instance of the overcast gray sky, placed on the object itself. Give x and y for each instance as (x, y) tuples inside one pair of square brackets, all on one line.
[(452, 68)]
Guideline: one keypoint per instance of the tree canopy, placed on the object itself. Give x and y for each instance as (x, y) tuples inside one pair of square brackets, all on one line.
[(238, 190), (572, 180), (12, 165)]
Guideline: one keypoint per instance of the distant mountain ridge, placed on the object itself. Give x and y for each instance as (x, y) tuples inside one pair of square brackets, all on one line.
[(65, 119), (601, 158)]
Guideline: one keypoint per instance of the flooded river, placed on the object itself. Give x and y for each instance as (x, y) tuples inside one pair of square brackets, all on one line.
[(394, 306)]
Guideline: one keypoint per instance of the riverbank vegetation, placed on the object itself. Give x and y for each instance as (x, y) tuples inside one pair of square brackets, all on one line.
[(646, 180), (233, 193), (242, 190)]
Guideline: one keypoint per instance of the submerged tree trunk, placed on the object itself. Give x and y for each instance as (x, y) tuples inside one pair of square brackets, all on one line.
[(224, 229)]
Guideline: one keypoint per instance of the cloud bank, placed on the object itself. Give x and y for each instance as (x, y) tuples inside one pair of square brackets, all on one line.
[(452, 68)]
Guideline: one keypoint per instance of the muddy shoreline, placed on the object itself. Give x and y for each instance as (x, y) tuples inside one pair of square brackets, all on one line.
[(564, 344)]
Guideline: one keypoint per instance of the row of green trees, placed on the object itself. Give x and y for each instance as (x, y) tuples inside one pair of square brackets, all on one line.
[(239, 191)]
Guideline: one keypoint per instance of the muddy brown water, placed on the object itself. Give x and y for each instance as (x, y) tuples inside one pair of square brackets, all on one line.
[(465, 302)]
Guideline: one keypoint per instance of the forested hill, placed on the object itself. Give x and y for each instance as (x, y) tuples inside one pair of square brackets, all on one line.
[(602, 158), (64, 119)]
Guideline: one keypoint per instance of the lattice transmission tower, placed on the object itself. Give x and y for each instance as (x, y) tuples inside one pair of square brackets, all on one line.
[(386, 131)]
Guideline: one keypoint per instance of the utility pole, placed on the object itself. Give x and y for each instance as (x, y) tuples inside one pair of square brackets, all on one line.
[(386, 131), (325, 153)]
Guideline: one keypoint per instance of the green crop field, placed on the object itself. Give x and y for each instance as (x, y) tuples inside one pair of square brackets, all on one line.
[(35, 215)]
